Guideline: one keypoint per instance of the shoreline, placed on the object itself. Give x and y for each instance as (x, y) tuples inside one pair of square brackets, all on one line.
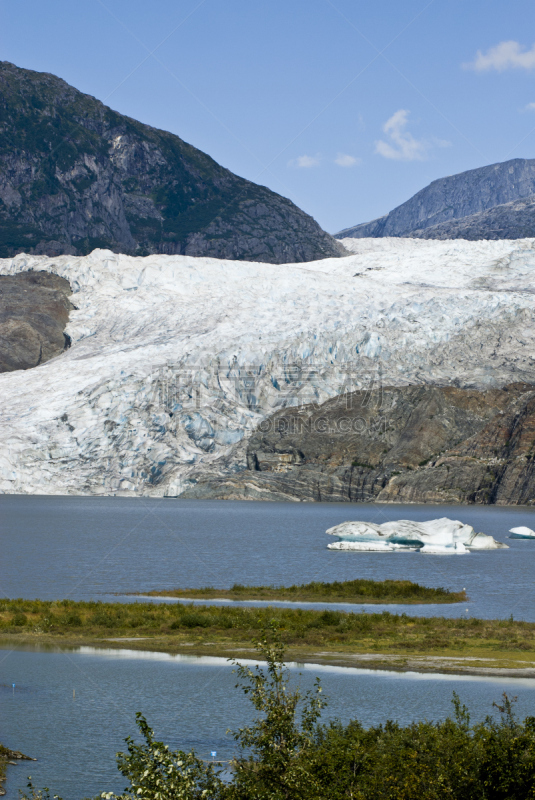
[(360, 591), (9, 758), (218, 597), (451, 664)]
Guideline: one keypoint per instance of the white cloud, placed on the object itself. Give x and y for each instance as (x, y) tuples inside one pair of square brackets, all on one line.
[(305, 162), (505, 55), (402, 145), (529, 107), (345, 160)]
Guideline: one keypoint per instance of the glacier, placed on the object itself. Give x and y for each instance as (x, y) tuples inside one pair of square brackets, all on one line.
[(435, 537), (175, 360)]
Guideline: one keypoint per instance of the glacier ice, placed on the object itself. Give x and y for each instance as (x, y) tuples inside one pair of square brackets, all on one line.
[(175, 360), (522, 533), (435, 537)]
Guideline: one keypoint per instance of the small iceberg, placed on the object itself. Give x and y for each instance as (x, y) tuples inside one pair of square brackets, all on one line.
[(522, 533), (435, 537)]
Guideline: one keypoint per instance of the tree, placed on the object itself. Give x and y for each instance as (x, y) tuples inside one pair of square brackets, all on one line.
[(157, 773), (272, 765)]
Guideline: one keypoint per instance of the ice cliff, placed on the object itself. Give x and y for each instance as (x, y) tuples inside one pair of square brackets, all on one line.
[(175, 360)]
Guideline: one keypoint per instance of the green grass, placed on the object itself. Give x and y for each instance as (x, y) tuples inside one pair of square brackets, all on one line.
[(172, 627), (357, 591)]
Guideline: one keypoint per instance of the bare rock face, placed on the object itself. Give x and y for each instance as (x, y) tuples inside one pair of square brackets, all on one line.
[(405, 445), (514, 220), (477, 204), (34, 310), (76, 175)]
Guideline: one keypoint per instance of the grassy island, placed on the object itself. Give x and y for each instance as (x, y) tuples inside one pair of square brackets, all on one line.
[(357, 591), (379, 640)]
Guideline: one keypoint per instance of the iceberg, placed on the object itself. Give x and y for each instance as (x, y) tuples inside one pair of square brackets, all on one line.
[(435, 537), (522, 533)]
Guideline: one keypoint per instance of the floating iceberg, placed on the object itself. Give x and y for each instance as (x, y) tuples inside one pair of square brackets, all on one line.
[(522, 533), (436, 537)]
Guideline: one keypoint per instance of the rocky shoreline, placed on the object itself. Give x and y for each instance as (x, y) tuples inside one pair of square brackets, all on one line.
[(10, 757)]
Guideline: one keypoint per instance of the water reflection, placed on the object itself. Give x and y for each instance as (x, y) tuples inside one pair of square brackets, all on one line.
[(190, 702)]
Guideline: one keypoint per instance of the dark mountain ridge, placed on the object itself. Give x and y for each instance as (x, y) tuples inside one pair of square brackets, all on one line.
[(76, 175), (437, 211)]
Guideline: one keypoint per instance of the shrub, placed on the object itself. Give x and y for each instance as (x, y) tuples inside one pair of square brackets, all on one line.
[(286, 754), (192, 620)]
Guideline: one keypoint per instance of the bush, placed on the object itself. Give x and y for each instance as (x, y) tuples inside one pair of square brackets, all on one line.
[(192, 620), (286, 754), (71, 619)]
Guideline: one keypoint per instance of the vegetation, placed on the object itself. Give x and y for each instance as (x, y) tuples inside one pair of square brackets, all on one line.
[(6, 757), (308, 634), (62, 146), (358, 591), (287, 754)]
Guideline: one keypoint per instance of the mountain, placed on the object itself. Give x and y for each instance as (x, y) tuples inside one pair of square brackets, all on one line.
[(182, 370), (514, 220), (76, 175), (438, 211)]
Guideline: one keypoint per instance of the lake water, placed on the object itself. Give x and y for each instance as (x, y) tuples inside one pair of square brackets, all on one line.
[(56, 547), (190, 702), (83, 548)]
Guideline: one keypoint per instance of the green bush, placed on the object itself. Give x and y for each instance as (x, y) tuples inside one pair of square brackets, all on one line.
[(71, 619), (286, 754), (192, 620)]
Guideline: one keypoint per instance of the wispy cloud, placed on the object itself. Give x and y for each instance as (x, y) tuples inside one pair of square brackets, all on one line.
[(505, 55), (402, 146), (305, 162), (529, 107), (345, 160)]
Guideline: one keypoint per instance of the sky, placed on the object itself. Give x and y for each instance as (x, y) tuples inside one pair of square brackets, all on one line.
[(347, 107)]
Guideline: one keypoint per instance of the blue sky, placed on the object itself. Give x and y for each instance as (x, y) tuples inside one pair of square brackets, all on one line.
[(346, 107)]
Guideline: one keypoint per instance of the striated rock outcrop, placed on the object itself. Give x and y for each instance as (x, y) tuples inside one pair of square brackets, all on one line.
[(34, 311), (477, 204), (417, 444), (76, 175)]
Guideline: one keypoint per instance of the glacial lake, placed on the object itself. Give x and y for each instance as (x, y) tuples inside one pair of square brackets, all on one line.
[(190, 702), (104, 548)]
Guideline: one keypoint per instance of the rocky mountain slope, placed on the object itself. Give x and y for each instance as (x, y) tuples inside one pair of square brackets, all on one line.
[(416, 444), (76, 175), (34, 310), (514, 220), (175, 362), (446, 208)]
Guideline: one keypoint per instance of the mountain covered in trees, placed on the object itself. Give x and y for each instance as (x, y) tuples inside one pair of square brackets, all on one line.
[(493, 202), (76, 175)]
